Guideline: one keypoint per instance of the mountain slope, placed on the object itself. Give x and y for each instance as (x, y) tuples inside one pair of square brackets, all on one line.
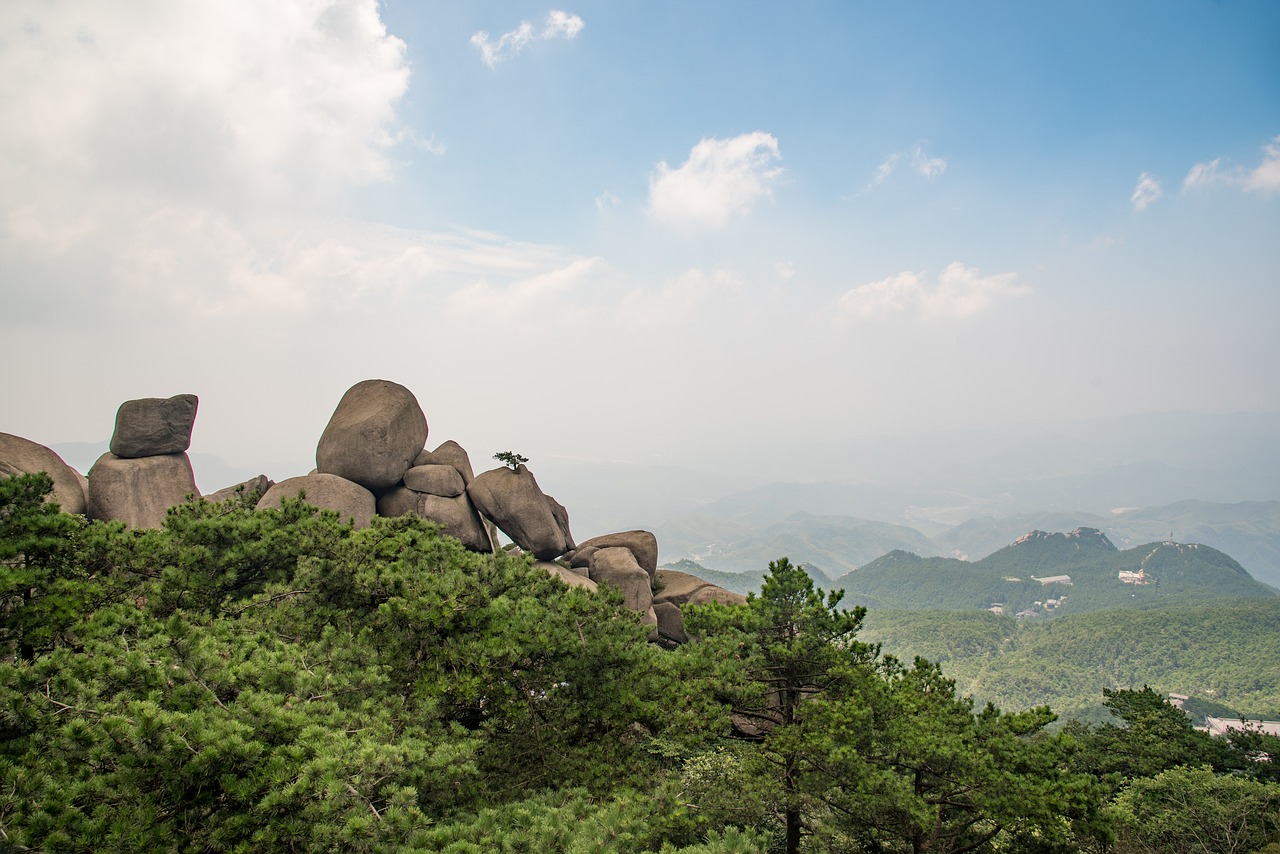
[(1224, 652)]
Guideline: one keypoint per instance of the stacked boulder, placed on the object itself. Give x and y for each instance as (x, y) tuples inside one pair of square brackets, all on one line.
[(628, 561), (435, 488), (147, 470)]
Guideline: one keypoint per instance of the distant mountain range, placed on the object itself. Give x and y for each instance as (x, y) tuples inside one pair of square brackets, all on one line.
[(1046, 572), (1190, 477), (1248, 531)]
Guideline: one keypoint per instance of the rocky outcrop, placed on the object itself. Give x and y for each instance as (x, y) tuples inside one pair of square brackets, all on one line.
[(456, 514), (139, 491), (22, 456), (513, 501), (681, 588), (371, 460), (448, 454), (374, 435), (154, 426), (351, 501), (642, 544)]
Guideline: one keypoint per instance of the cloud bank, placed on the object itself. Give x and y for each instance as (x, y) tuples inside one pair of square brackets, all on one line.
[(722, 178), (191, 155), (960, 291)]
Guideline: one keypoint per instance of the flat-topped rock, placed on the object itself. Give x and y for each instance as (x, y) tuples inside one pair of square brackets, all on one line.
[(154, 426)]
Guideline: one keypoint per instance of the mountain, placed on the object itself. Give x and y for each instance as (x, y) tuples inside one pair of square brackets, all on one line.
[(835, 544), (744, 582), (1249, 531), (1065, 573)]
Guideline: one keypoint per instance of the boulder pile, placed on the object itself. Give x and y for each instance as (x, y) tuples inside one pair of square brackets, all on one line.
[(372, 459)]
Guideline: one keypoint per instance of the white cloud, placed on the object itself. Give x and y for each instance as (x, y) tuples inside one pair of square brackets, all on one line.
[(960, 291), (921, 163), (607, 202), (518, 300), (559, 25), (1266, 177), (1202, 174), (885, 169), (926, 166), (721, 179), (1263, 178), (1147, 191), (188, 151), (679, 298)]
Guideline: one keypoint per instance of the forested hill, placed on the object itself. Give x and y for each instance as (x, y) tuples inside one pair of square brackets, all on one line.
[(1042, 573), (1224, 655)]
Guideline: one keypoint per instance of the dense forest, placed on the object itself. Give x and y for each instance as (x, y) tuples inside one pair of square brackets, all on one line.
[(1223, 653), (245, 680)]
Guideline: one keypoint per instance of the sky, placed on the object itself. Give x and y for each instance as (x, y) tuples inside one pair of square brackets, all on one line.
[(662, 232)]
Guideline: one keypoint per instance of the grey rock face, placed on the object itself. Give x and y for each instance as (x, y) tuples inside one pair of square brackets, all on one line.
[(152, 426), (373, 436), (670, 623), (448, 454), (456, 515), (515, 503), (642, 544), (617, 566), (22, 456), (138, 491), (562, 519), (351, 501), (443, 480)]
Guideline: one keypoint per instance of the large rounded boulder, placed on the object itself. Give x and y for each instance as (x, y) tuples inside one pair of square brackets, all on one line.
[(138, 492), (373, 436), (351, 501), (512, 499), (20, 456), (154, 426)]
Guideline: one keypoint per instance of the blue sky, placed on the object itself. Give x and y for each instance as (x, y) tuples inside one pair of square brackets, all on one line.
[(658, 232)]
